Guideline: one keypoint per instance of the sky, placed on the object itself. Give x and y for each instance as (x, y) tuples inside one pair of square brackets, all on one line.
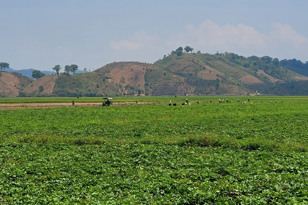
[(40, 34)]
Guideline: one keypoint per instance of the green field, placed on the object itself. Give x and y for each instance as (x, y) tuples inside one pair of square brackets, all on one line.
[(203, 153)]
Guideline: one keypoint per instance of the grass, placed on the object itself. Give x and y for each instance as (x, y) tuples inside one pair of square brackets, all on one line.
[(206, 153)]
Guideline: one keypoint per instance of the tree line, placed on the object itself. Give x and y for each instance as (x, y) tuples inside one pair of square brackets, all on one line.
[(179, 51), (67, 69), (38, 74)]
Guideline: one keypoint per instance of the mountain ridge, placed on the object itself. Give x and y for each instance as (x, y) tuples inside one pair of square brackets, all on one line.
[(184, 74), (28, 72)]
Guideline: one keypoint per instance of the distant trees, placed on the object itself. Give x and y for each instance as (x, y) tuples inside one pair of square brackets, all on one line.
[(3, 65), (188, 49), (67, 69), (267, 59), (295, 65), (276, 62), (70, 68), (57, 68), (37, 74), (179, 51), (74, 67)]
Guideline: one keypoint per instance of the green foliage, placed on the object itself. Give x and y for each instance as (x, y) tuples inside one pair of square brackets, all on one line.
[(68, 86), (179, 51), (188, 49), (205, 153), (70, 68), (74, 67), (37, 74), (88, 85), (230, 68), (3, 65), (296, 66), (190, 73), (161, 82), (57, 68)]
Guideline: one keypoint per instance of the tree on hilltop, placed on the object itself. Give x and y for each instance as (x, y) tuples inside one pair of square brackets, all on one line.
[(3, 65), (70, 68), (179, 51), (188, 49), (57, 68), (37, 74), (74, 67)]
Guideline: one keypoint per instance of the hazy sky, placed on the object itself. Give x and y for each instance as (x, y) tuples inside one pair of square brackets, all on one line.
[(91, 33)]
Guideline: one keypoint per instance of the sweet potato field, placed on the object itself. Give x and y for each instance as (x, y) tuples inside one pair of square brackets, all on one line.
[(203, 153)]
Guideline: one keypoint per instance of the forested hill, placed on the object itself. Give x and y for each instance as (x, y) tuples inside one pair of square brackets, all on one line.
[(228, 73), (179, 73), (296, 66)]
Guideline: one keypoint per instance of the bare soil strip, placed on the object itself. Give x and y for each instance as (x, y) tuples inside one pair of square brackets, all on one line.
[(18, 106)]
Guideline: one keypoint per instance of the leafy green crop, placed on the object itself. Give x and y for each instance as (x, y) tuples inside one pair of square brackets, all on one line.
[(205, 153)]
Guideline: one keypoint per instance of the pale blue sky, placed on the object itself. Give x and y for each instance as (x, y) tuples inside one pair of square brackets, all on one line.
[(91, 33)]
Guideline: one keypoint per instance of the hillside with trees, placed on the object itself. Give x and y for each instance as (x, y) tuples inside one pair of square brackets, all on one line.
[(182, 72)]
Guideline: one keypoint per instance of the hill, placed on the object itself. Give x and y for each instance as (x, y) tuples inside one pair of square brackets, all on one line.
[(27, 72), (231, 74), (187, 73), (12, 84), (43, 86)]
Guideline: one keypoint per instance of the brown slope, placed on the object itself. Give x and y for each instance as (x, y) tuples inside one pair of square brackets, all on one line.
[(250, 80), (129, 77), (300, 78), (209, 73), (42, 86), (267, 76), (129, 74), (12, 83)]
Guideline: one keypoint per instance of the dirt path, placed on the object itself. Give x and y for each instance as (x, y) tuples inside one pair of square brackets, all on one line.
[(17, 106)]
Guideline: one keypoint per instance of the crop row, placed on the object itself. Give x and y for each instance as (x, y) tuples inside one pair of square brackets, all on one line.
[(149, 174), (206, 153)]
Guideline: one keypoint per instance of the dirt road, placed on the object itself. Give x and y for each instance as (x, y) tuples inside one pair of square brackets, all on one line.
[(17, 106)]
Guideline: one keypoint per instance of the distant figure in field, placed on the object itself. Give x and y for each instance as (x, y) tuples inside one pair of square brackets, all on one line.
[(73, 103), (107, 102)]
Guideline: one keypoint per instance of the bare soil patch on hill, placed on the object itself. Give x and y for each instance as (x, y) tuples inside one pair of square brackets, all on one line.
[(300, 78), (250, 79), (9, 84), (269, 78), (209, 74), (47, 83), (129, 74)]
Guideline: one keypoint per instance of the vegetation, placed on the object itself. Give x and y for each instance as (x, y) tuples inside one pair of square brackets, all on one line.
[(3, 65), (37, 74), (57, 68), (180, 73), (70, 68), (296, 66), (188, 49), (203, 153)]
